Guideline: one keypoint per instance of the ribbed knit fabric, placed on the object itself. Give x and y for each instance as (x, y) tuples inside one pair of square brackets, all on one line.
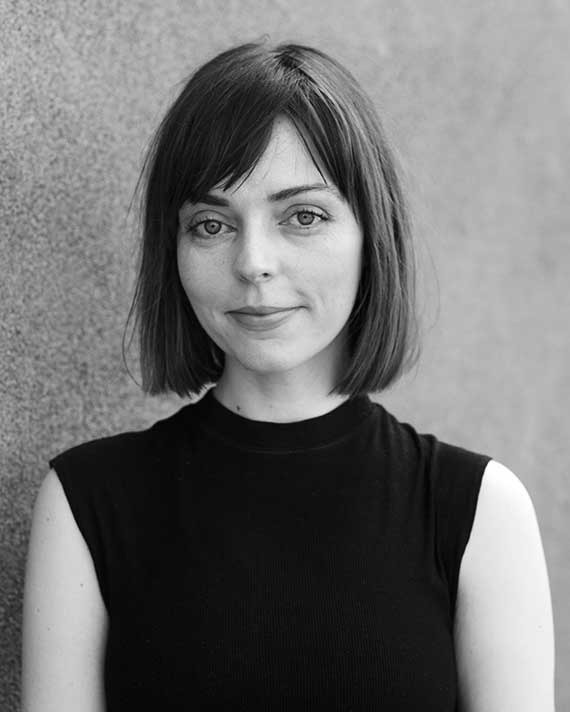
[(248, 565)]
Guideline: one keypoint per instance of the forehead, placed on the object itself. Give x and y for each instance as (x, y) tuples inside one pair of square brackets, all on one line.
[(285, 162)]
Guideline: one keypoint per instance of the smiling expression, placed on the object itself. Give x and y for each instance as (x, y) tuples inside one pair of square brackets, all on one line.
[(271, 268)]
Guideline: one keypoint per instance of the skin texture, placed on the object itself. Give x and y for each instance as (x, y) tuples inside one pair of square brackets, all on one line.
[(302, 251)]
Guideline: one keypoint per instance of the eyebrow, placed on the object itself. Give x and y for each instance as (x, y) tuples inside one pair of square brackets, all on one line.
[(284, 194)]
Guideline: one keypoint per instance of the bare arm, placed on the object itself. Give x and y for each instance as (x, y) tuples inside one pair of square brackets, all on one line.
[(504, 633), (65, 619)]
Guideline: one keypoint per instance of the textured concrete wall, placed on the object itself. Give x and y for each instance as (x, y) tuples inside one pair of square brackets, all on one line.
[(476, 95)]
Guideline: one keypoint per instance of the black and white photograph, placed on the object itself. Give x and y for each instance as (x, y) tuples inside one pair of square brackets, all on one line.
[(284, 384)]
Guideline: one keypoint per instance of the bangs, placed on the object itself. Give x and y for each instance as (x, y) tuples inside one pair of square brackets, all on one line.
[(221, 124), (222, 148), (226, 125)]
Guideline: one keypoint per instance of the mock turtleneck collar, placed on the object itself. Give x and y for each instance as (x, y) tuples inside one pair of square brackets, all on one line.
[(322, 430)]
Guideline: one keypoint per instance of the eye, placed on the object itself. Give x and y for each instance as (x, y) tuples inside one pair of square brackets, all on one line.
[(207, 227), (306, 218)]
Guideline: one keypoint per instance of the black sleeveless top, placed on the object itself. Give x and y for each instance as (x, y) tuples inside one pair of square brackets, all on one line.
[(249, 565)]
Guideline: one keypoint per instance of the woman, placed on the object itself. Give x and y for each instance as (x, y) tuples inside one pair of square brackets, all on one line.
[(284, 542)]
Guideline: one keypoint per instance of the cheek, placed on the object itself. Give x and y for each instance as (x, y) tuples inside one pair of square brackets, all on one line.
[(343, 271), (333, 288), (346, 283), (198, 277)]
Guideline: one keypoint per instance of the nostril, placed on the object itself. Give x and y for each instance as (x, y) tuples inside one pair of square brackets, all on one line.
[(254, 277)]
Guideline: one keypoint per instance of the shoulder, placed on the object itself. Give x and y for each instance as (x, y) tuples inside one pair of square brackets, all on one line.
[(53, 523), (434, 455), (503, 625), (504, 519), (64, 615), (501, 486), (504, 527), (120, 451), (504, 550)]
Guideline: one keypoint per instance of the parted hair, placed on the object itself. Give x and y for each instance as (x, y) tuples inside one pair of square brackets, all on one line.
[(213, 135)]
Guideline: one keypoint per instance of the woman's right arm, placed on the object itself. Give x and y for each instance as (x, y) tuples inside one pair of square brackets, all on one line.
[(65, 620)]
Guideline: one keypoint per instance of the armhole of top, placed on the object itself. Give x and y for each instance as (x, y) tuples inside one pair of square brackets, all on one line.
[(85, 516), (461, 475)]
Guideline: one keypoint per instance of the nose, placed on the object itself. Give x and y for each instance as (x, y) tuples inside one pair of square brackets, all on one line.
[(256, 258)]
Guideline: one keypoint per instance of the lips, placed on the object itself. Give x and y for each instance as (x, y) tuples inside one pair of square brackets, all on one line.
[(262, 318), (260, 311)]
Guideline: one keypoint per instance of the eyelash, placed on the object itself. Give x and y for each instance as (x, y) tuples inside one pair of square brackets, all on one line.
[(192, 227), (309, 211)]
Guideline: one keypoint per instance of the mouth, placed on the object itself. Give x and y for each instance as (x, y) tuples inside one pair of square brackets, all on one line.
[(261, 311), (262, 318)]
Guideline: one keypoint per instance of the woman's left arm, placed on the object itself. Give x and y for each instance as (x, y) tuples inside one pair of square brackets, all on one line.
[(504, 633)]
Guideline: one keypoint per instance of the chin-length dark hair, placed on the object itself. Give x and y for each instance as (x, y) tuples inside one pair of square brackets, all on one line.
[(214, 134)]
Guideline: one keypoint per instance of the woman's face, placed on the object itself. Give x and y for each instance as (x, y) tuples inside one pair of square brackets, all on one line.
[(271, 268)]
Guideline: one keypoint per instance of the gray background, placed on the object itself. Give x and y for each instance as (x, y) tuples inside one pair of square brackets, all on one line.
[(475, 96)]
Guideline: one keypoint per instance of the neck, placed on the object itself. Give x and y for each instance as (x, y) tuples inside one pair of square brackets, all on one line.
[(276, 397)]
